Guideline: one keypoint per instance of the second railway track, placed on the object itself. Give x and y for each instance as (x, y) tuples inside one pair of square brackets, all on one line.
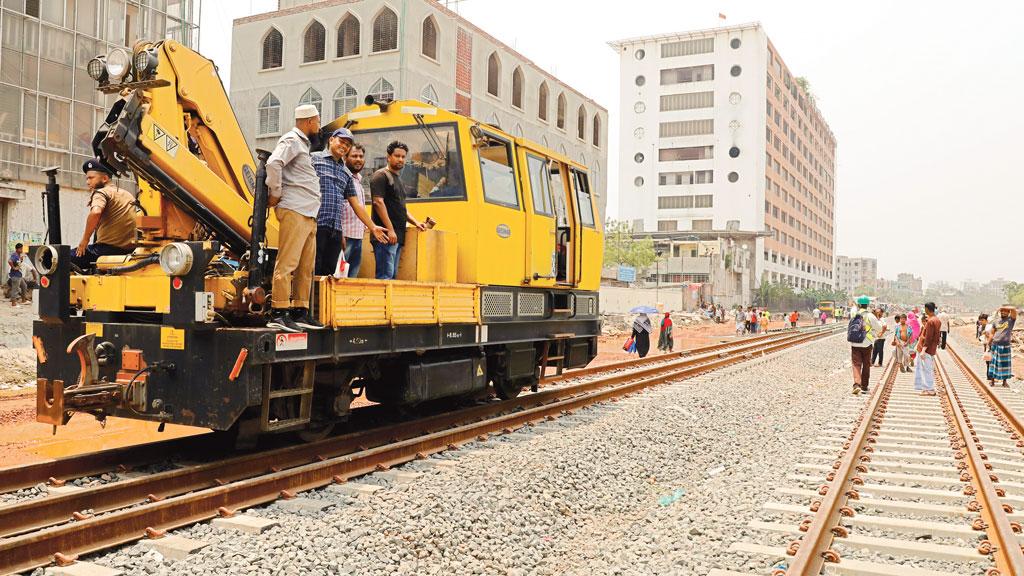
[(34, 531), (921, 486)]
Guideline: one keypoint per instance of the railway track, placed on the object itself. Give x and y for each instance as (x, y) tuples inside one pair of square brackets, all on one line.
[(34, 532), (921, 486), (122, 460)]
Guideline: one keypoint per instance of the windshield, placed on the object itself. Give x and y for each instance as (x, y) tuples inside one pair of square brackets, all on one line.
[(433, 167)]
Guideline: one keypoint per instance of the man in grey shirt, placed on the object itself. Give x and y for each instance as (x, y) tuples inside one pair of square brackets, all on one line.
[(294, 189)]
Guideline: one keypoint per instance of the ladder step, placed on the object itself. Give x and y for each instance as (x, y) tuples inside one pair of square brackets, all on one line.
[(280, 425), (290, 392), (550, 358), (561, 335), (561, 310)]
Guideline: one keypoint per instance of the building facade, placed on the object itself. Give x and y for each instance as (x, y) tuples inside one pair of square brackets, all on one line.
[(332, 53), (852, 273), (718, 135), (49, 106)]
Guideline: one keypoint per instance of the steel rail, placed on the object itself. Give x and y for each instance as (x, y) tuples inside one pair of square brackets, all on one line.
[(38, 513), (1005, 548), (61, 469), (681, 354), (99, 532), (812, 551), (1004, 412)]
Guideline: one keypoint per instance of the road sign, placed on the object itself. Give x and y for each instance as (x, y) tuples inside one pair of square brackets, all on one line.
[(627, 274)]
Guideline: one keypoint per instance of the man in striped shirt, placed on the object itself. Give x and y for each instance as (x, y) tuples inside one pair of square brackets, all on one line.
[(354, 218)]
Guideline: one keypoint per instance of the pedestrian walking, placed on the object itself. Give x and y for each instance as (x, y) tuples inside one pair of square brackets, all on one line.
[(755, 321), (822, 316), (927, 344), (294, 193), (766, 320), (17, 287), (642, 334), (1001, 366), (741, 322), (944, 320), (816, 315), (978, 326), (901, 343), (665, 343), (878, 350), (860, 333), (794, 317)]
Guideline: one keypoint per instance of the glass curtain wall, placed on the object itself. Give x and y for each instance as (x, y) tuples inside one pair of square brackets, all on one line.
[(49, 106)]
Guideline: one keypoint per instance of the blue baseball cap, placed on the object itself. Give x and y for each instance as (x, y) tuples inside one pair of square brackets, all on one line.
[(96, 165), (343, 133)]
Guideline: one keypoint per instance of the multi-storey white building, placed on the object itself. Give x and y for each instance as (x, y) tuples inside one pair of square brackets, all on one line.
[(717, 135), (332, 53), (853, 273)]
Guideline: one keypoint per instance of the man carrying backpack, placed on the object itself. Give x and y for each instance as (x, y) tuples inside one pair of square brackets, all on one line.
[(861, 332)]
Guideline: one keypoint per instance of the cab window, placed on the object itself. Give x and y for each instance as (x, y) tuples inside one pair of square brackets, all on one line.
[(433, 166), (539, 184), (496, 171), (582, 186)]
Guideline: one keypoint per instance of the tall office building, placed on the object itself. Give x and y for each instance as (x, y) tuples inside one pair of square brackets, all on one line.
[(719, 135), (854, 273), (49, 106), (332, 53)]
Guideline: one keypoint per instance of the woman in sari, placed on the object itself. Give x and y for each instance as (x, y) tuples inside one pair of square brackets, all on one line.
[(642, 334), (665, 343), (915, 332)]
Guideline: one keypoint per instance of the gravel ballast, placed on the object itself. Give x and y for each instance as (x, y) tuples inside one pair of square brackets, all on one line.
[(660, 483)]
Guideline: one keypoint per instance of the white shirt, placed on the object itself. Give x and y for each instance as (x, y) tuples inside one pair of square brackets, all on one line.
[(874, 328), (944, 318)]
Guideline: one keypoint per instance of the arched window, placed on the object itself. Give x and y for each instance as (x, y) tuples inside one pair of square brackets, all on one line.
[(314, 42), (562, 150), (581, 123), (382, 90), (348, 37), (429, 95), (313, 97), (345, 99), (269, 115), (542, 101), (493, 120), (517, 87), (429, 44), (596, 136), (385, 31), (273, 48), (544, 141), (518, 131), (560, 117), (493, 74)]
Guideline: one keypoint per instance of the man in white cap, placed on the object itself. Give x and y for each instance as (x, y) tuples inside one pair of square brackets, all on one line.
[(294, 189)]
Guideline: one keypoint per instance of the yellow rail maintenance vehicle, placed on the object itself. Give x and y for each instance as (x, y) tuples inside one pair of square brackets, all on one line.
[(502, 289)]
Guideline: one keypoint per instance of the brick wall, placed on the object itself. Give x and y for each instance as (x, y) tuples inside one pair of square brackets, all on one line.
[(463, 71)]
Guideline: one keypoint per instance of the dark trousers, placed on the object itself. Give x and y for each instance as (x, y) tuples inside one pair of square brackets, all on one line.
[(878, 351), (94, 251), (328, 248), (942, 339), (860, 357)]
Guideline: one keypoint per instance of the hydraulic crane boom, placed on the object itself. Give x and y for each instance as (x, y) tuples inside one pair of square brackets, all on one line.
[(171, 96)]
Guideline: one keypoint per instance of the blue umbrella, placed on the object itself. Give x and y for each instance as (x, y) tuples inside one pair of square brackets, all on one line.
[(644, 310)]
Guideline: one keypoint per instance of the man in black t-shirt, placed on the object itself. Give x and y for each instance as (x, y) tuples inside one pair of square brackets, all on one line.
[(389, 211)]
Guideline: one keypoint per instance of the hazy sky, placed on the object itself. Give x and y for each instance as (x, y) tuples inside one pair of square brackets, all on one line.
[(926, 100)]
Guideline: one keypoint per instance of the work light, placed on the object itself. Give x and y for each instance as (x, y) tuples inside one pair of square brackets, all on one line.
[(176, 259)]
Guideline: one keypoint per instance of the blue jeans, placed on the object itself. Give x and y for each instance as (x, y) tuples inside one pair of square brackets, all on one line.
[(387, 259), (353, 255)]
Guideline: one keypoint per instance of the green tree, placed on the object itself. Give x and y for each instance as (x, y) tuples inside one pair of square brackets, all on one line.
[(620, 249), (1014, 292), (805, 85)]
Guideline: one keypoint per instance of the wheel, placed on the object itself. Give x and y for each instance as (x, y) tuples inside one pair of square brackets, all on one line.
[(506, 388), (316, 431)]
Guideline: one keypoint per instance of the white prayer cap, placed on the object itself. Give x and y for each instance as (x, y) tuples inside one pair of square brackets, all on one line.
[(306, 111)]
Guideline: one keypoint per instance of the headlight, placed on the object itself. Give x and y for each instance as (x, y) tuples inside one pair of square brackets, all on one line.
[(145, 63), (45, 260), (97, 68), (176, 259), (118, 62)]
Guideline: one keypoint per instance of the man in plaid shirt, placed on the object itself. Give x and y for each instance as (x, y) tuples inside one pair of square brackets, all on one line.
[(335, 188)]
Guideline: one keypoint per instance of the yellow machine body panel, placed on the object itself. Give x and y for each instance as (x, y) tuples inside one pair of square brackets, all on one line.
[(475, 181), (120, 293), (364, 302)]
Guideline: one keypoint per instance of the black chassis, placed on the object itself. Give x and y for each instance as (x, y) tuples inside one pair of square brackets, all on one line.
[(193, 386)]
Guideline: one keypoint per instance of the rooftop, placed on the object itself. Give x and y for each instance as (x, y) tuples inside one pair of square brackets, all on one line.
[(675, 36)]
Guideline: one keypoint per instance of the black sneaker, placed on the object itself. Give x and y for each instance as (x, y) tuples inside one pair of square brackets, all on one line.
[(304, 321), (282, 321)]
